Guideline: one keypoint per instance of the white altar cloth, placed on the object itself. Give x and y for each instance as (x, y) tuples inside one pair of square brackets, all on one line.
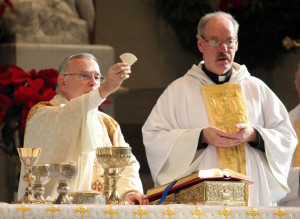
[(43, 211)]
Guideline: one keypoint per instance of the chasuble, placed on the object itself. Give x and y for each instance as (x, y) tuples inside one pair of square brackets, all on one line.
[(171, 134), (70, 131)]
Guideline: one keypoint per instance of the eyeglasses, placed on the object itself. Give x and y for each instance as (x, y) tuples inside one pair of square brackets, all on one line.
[(216, 43), (87, 77)]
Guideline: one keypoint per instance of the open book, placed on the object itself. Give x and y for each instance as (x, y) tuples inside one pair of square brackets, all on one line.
[(199, 176)]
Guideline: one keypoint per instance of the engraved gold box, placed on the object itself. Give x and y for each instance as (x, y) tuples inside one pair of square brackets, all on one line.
[(209, 193)]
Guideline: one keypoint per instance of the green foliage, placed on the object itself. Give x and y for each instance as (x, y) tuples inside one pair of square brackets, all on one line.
[(263, 26)]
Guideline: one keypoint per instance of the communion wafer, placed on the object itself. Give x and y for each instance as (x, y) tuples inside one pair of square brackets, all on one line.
[(128, 58)]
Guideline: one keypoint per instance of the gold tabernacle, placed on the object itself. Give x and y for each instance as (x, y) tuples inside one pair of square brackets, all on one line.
[(211, 187), (209, 193)]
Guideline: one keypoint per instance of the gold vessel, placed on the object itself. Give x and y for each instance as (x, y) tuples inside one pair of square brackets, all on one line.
[(113, 160)]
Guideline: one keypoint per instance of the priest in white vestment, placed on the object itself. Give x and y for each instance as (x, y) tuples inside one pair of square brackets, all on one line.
[(179, 139), (69, 128), (293, 198)]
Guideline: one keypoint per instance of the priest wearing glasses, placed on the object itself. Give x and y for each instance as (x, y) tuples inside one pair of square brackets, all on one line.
[(219, 116), (69, 128)]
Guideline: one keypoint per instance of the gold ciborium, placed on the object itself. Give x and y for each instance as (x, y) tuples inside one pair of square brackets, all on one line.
[(64, 173), (28, 157), (42, 174), (113, 160)]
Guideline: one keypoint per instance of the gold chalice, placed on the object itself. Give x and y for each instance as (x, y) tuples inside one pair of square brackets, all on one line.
[(42, 174), (28, 157), (113, 160), (64, 173)]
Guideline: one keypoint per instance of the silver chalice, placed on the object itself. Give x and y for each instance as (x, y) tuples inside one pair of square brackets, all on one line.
[(113, 160), (64, 173), (28, 157), (43, 175)]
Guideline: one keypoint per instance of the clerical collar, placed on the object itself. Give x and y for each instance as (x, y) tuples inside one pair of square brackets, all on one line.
[(218, 79)]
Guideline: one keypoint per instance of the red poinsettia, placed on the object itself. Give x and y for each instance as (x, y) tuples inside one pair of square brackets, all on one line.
[(4, 4), (20, 91)]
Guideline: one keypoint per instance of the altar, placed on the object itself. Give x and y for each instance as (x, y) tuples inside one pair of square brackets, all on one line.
[(43, 211)]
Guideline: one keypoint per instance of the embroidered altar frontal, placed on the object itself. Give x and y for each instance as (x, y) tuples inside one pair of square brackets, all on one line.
[(209, 193)]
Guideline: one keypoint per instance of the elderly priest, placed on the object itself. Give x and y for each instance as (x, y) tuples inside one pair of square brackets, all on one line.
[(69, 127), (219, 116)]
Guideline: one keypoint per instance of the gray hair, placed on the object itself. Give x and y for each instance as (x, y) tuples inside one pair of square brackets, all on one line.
[(65, 63), (203, 21)]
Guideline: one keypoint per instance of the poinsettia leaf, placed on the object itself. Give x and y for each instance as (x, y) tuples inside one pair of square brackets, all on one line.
[(31, 74), (2, 9), (49, 76), (5, 78), (5, 103), (10, 4), (23, 95), (25, 112), (48, 94), (35, 84), (18, 75)]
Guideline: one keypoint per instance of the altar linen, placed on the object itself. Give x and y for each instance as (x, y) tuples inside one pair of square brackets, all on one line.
[(172, 130), (70, 131)]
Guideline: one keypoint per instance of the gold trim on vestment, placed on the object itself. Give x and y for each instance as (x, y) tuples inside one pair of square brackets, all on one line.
[(296, 156), (226, 106)]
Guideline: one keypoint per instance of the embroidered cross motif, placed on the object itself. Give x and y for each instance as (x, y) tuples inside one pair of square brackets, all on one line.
[(140, 212), (196, 212), (23, 209), (280, 213), (82, 211), (169, 212), (225, 212), (111, 212), (52, 209), (253, 213)]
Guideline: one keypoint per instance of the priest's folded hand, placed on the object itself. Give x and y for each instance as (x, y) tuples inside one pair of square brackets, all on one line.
[(245, 133), (218, 138)]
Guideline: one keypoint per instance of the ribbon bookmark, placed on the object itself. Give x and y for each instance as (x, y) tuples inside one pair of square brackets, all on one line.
[(165, 193)]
